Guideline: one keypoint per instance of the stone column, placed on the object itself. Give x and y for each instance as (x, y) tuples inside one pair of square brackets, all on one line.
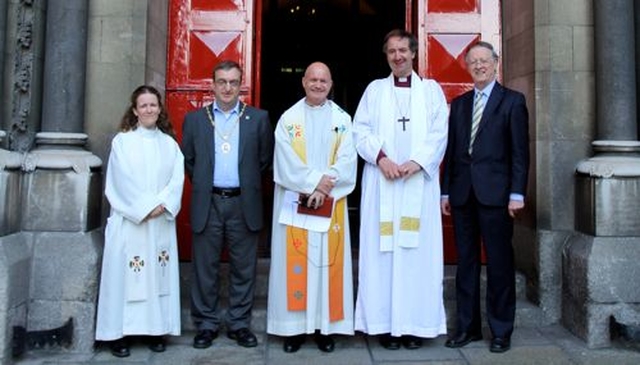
[(600, 258), (65, 66), (62, 187), (636, 12), (3, 39), (615, 70)]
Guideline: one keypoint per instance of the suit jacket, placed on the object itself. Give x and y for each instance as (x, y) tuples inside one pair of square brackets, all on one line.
[(254, 160), (499, 163)]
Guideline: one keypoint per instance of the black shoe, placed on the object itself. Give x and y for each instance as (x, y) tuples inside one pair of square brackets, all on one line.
[(390, 342), (462, 339), (500, 344), (204, 338), (120, 348), (293, 343), (157, 344), (411, 342), (243, 337), (325, 343)]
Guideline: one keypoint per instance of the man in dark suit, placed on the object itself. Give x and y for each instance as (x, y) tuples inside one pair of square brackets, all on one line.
[(484, 184), (228, 147)]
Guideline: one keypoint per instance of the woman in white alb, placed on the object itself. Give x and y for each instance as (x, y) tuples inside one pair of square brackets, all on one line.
[(139, 287)]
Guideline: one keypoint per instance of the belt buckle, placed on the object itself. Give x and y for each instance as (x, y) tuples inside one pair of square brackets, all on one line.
[(226, 192)]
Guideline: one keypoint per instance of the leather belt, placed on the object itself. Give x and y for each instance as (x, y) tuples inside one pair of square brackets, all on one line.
[(226, 192)]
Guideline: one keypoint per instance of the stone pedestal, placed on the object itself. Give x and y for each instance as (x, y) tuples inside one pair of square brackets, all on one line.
[(14, 256), (50, 255), (63, 185), (599, 277), (9, 190), (61, 204), (600, 263), (608, 190)]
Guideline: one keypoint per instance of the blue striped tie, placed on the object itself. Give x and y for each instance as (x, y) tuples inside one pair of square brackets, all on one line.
[(478, 107)]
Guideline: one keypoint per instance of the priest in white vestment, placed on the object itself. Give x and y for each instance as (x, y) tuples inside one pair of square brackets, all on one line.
[(400, 130), (310, 281), (139, 287)]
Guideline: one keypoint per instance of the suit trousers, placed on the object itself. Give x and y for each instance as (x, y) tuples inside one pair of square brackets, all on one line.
[(225, 226), (476, 224)]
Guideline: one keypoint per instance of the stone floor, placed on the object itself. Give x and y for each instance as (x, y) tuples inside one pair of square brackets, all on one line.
[(546, 345)]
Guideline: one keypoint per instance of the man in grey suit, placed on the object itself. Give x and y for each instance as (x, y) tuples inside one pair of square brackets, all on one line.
[(228, 147)]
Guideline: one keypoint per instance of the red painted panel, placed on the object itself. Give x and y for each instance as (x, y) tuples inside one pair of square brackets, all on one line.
[(217, 5), (177, 42), (257, 56), (446, 62), (201, 33), (446, 57), (453, 6), (201, 46)]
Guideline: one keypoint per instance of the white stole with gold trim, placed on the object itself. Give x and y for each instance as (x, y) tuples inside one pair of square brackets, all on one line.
[(408, 224)]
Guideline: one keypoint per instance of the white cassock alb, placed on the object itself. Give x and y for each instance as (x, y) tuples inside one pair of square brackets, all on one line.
[(139, 287), (317, 128), (400, 284)]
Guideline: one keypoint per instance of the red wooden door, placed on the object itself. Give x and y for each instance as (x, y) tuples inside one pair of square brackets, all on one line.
[(447, 28), (201, 33)]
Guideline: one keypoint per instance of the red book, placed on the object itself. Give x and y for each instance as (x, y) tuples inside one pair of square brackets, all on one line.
[(324, 210)]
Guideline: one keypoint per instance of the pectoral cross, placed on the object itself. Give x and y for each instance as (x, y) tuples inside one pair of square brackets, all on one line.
[(403, 120)]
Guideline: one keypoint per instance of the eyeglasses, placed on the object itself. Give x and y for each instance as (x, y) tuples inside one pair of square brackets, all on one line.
[(223, 83), (480, 61)]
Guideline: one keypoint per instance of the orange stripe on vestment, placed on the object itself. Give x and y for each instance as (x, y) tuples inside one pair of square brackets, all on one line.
[(336, 270), (297, 241), (296, 268)]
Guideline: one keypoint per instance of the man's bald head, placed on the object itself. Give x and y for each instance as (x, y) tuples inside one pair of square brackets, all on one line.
[(317, 83)]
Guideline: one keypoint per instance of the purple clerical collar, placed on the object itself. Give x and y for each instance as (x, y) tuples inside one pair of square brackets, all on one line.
[(402, 81)]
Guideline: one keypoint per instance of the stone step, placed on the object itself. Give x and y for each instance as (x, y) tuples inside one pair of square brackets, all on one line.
[(527, 313)]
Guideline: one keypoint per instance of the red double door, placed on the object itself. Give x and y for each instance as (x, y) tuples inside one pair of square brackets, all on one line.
[(203, 32)]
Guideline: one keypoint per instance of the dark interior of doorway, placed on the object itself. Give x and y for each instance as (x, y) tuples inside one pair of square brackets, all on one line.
[(345, 34)]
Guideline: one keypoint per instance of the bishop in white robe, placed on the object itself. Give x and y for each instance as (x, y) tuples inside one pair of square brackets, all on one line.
[(139, 286), (400, 284), (312, 141)]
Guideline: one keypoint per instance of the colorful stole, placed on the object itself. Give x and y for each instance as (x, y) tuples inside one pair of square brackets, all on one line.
[(297, 246)]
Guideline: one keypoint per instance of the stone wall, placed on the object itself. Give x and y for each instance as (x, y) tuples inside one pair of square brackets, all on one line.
[(549, 56)]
